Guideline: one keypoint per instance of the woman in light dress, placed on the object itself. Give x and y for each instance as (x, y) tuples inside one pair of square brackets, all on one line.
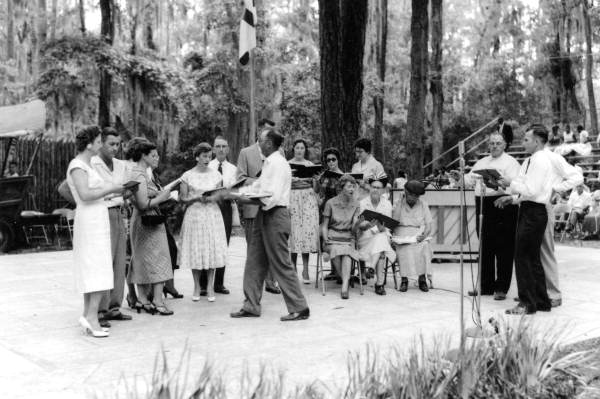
[(92, 256), (304, 209), (203, 239), (150, 264)]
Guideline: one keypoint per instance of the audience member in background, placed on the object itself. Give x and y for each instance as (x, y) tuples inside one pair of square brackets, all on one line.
[(150, 258), (506, 131), (580, 148), (499, 224), (374, 242), (92, 259), (113, 170), (568, 136), (413, 252), (304, 209), (366, 165), (203, 238), (580, 202), (590, 221), (228, 172), (401, 180), (554, 138), (13, 169), (249, 164), (339, 219)]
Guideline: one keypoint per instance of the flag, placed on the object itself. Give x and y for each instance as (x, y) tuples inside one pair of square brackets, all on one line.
[(247, 31)]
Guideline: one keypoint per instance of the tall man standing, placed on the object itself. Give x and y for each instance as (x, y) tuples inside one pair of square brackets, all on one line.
[(113, 170), (534, 186), (268, 246), (249, 165), (499, 224)]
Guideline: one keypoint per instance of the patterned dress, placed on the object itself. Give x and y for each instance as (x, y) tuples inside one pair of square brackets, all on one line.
[(150, 258), (203, 239), (304, 210)]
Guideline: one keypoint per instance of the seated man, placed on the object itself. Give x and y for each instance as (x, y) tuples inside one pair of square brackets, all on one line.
[(374, 242), (580, 202), (412, 247)]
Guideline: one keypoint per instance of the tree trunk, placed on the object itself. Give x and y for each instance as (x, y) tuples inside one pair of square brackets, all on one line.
[(589, 67), (437, 94), (415, 126), (53, 19), (10, 30), (107, 33), (149, 18), (379, 17), (82, 16)]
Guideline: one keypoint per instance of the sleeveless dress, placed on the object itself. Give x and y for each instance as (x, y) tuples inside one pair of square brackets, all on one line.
[(92, 257), (304, 211), (150, 257), (203, 239)]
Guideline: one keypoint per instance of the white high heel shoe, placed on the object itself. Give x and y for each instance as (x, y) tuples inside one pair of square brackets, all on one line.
[(87, 329)]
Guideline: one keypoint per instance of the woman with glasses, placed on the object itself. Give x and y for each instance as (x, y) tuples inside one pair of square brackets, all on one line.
[(328, 183), (304, 208)]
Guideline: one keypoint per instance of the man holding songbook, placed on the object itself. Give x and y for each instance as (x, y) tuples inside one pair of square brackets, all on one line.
[(498, 225), (411, 236)]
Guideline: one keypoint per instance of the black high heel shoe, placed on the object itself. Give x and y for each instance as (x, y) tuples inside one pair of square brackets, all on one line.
[(174, 294), (148, 308), (163, 310)]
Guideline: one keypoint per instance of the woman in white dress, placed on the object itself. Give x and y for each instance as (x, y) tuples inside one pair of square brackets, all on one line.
[(203, 239), (92, 257)]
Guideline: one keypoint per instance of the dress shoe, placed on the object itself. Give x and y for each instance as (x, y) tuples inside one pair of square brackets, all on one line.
[(174, 294), (272, 289), (103, 322), (242, 313), (555, 302), (195, 298), (520, 309), (345, 294), (330, 277), (379, 289), (163, 310), (116, 315), (301, 315), (222, 290), (423, 284), (403, 285), (211, 299), (499, 296), (87, 329)]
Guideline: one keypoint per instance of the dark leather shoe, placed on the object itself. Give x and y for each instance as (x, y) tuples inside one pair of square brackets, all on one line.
[(103, 322), (222, 290), (116, 316), (520, 309), (330, 277), (555, 302), (273, 290), (242, 313), (404, 285), (379, 289), (499, 296), (301, 315), (345, 294), (423, 284)]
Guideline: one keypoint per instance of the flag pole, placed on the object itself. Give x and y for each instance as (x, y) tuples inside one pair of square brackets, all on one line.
[(252, 129)]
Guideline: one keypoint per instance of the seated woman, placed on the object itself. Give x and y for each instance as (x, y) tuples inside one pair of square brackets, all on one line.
[(339, 218), (412, 249), (374, 242), (592, 219)]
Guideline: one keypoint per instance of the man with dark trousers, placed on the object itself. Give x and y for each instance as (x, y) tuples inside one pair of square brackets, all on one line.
[(499, 224), (249, 165), (533, 188), (269, 246), (228, 171)]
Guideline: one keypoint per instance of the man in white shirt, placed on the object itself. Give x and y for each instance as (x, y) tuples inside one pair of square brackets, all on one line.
[(114, 171), (580, 202), (534, 186), (269, 247), (229, 172), (499, 224)]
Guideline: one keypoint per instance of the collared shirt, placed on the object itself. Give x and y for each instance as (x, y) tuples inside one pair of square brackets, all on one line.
[(275, 178), (564, 176), (229, 171), (370, 168), (118, 175), (534, 182), (384, 206), (580, 201), (505, 164)]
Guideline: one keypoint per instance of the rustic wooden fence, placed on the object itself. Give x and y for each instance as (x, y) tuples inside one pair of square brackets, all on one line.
[(49, 169)]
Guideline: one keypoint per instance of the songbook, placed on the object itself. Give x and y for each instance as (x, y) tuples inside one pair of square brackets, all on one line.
[(401, 240), (258, 195), (303, 171), (337, 175), (383, 179), (490, 177), (208, 193), (238, 183), (173, 185), (385, 220)]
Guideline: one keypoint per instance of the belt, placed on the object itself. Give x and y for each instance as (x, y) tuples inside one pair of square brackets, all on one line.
[(119, 207), (532, 204)]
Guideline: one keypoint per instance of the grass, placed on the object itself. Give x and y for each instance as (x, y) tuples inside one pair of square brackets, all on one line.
[(521, 361)]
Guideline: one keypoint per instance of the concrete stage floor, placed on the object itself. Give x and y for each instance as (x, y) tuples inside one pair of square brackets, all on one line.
[(45, 354)]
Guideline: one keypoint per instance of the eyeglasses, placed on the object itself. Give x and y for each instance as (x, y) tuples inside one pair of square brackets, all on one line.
[(331, 159)]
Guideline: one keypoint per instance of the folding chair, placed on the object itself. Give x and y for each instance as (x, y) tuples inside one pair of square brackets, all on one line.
[(37, 226), (67, 217), (320, 274), (395, 270)]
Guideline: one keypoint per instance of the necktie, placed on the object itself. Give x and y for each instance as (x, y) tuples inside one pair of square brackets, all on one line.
[(220, 170)]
